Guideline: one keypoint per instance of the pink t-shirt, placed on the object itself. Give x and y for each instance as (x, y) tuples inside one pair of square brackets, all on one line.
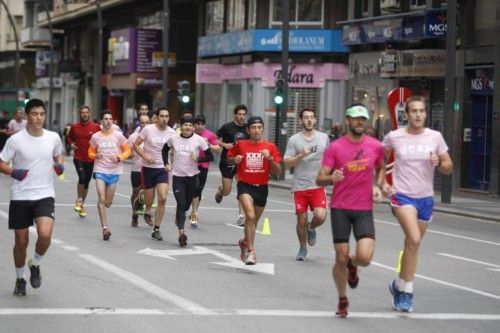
[(108, 146), (211, 139), (358, 161), (182, 164), (154, 140), (413, 173), (136, 158)]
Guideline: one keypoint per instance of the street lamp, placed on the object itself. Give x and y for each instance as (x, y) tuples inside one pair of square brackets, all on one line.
[(16, 63), (51, 64)]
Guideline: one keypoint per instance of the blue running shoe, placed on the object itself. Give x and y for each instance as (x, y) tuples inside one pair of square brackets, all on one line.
[(406, 304), (396, 296), (301, 256), (311, 236)]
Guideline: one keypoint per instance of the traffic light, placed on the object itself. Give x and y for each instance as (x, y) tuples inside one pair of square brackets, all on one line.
[(279, 92), (184, 92)]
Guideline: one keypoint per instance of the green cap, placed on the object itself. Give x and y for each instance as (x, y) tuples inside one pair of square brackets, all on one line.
[(357, 111)]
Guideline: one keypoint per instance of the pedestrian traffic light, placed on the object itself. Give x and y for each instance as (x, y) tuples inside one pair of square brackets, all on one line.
[(184, 92), (279, 92)]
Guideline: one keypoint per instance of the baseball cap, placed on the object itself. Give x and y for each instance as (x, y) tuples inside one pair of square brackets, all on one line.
[(357, 111), (255, 120)]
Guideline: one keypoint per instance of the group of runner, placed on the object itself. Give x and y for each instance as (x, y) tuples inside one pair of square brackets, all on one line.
[(353, 164)]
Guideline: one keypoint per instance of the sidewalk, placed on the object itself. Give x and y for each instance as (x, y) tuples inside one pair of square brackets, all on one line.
[(461, 204)]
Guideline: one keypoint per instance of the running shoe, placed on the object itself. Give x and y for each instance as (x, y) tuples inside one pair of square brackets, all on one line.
[(251, 259), (301, 256), (82, 212), (156, 234), (194, 220), (20, 288), (406, 304), (106, 233), (183, 240), (240, 221), (396, 295), (135, 220), (78, 206), (352, 276), (311, 235), (148, 219), (218, 196), (342, 307), (243, 248), (35, 277)]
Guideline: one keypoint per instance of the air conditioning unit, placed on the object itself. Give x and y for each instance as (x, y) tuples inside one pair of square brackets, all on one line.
[(389, 4)]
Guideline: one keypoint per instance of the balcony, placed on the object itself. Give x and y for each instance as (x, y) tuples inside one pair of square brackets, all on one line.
[(62, 7), (35, 38)]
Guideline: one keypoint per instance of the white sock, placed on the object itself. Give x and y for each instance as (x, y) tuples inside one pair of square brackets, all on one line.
[(400, 284), (20, 272), (408, 287), (35, 261)]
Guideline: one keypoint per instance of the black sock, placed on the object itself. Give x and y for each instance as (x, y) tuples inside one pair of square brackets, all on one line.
[(156, 228)]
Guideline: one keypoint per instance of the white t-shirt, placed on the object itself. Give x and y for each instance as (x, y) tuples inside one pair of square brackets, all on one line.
[(15, 126), (36, 154), (413, 174), (154, 139), (136, 158), (182, 164)]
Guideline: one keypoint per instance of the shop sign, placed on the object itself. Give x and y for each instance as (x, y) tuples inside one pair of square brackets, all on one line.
[(373, 32), (421, 63), (481, 81), (435, 24), (362, 64)]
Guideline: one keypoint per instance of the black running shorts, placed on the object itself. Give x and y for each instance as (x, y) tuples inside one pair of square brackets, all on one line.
[(22, 213), (257, 192), (361, 222)]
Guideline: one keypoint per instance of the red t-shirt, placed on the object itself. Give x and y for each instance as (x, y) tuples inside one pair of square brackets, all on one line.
[(80, 134), (254, 168)]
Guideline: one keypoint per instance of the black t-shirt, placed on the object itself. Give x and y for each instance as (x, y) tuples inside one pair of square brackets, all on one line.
[(231, 133)]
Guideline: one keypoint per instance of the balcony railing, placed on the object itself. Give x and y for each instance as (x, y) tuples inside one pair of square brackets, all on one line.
[(35, 37)]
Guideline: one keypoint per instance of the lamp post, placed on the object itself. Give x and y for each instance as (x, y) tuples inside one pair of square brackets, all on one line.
[(50, 116), (166, 23), (16, 61), (98, 68)]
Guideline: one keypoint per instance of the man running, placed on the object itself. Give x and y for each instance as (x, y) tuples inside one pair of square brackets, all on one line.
[(255, 159), (228, 135), (418, 152), (34, 153), (108, 148), (78, 139), (154, 174), (303, 153), (211, 139), (186, 149), (349, 164), (135, 171), (18, 123)]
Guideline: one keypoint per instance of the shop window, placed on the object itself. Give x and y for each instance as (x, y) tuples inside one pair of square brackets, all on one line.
[(214, 17), (303, 13), (235, 15)]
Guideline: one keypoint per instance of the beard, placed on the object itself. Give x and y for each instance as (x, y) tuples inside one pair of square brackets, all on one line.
[(355, 132)]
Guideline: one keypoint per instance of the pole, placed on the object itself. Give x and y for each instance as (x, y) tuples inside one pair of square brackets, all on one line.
[(166, 23), (281, 116), (16, 61), (98, 69), (50, 116), (446, 181)]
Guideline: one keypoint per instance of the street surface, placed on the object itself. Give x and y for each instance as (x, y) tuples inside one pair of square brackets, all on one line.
[(135, 284)]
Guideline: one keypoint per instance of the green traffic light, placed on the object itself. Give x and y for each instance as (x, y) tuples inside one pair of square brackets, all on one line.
[(185, 99), (278, 99)]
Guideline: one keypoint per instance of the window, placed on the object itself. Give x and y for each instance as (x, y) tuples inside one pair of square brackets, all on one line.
[(252, 14), (303, 13), (235, 15), (417, 4), (214, 17)]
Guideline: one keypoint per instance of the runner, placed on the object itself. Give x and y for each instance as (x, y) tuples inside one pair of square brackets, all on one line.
[(186, 149), (418, 152), (154, 174), (135, 172), (349, 164), (34, 152), (109, 149), (303, 153), (228, 135), (211, 139), (78, 139), (254, 158), (18, 123)]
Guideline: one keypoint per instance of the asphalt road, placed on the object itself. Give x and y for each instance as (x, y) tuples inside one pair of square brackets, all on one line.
[(133, 283)]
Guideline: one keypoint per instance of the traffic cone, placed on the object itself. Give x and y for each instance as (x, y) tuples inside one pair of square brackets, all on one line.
[(398, 267), (266, 228)]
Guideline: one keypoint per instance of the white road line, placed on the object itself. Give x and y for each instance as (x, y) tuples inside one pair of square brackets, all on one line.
[(247, 313), (448, 284), (445, 234), (148, 286), (240, 228), (467, 259)]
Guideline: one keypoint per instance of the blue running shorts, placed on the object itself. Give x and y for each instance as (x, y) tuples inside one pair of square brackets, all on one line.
[(108, 179), (424, 206)]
